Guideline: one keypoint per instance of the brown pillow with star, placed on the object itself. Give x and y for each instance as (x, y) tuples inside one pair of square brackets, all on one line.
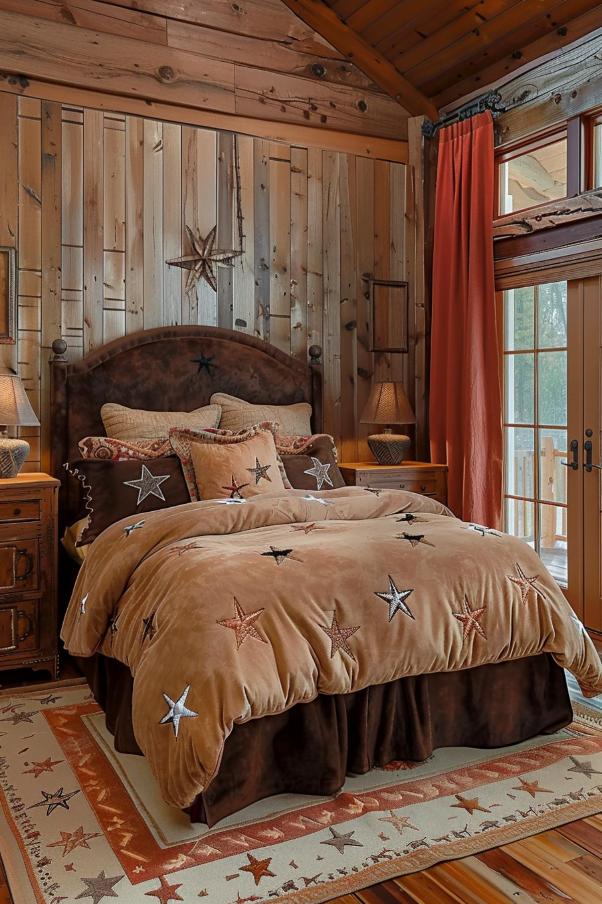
[(120, 489), (313, 466), (237, 470)]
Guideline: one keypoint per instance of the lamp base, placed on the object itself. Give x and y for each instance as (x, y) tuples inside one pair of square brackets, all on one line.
[(13, 453), (390, 448)]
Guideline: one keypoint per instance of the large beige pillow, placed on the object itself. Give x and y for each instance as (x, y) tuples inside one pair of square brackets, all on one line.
[(237, 470), (136, 423), (238, 414)]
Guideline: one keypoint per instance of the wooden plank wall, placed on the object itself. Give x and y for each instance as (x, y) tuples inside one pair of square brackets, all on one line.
[(96, 202)]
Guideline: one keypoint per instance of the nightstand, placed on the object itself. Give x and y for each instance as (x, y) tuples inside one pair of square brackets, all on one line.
[(28, 566), (416, 476)]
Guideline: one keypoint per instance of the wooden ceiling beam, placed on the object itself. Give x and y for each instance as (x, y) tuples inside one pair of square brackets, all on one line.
[(325, 21)]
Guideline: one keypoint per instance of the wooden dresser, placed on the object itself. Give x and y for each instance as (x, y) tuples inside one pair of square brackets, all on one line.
[(28, 573), (416, 476)]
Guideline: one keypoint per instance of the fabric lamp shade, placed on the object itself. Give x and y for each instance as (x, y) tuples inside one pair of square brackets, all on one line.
[(388, 404), (15, 408)]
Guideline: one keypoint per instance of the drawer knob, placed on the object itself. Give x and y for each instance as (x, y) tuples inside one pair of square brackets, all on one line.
[(24, 554), (402, 486), (17, 511), (423, 488), (29, 625)]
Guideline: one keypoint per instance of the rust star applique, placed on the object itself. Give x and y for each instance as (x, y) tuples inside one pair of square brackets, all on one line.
[(470, 804), (470, 620), (307, 528), (339, 635), (243, 624), (531, 788), (526, 584), (69, 841), (166, 892), (38, 768), (235, 488), (398, 822), (204, 258), (257, 868)]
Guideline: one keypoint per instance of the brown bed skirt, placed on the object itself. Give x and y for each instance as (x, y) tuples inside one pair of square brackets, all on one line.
[(312, 747)]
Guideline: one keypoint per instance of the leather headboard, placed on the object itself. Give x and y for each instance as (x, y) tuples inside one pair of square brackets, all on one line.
[(173, 368)]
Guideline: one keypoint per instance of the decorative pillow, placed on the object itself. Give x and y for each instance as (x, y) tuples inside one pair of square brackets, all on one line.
[(183, 440), (237, 470), (313, 465), (118, 489), (106, 448), (237, 414), (136, 423)]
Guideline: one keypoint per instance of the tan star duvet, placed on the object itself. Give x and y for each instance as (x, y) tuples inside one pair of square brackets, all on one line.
[(226, 612)]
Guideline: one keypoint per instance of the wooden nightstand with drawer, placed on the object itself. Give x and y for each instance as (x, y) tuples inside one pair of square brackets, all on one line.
[(28, 579), (416, 476)]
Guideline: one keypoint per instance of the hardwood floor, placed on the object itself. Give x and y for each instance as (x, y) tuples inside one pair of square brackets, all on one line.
[(562, 866)]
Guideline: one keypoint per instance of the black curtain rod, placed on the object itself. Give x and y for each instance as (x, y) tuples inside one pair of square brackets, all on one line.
[(490, 101)]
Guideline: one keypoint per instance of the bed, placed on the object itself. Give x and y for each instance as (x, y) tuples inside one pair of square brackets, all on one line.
[(309, 739)]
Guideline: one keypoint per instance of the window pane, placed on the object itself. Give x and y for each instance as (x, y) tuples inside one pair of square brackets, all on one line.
[(520, 458), (520, 408), (552, 382), (554, 541), (533, 178), (597, 156), (552, 474), (520, 520), (519, 318), (551, 315)]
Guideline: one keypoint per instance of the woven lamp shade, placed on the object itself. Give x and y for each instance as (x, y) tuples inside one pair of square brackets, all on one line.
[(15, 411), (388, 404)]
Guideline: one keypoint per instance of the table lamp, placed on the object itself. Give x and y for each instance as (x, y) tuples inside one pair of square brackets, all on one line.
[(15, 410), (388, 404)]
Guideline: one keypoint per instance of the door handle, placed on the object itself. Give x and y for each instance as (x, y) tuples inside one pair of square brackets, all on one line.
[(588, 464), (574, 448)]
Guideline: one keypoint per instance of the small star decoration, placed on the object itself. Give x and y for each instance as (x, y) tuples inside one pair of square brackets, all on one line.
[(320, 472), (148, 484), (531, 788), (396, 599), (339, 635), (278, 555), (204, 258), (471, 620), (415, 539), (243, 624), (69, 841), (177, 710), (398, 822), (526, 584), (148, 630), (310, 498), (130, 528), (260, 472), (235, 488), (257, 868), (37, 768), (470, 804), (204, 363), (99, 887), (53, 799), (340, 839), (166, 892)]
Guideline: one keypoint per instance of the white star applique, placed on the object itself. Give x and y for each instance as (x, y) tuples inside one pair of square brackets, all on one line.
[(82, 604), (177, 711), (396, 599), (234, 501), (320, 472), (132, 527), (310, 498), (147, 485)]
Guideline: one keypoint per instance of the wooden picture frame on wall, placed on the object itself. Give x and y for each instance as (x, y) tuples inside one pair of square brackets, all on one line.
[(8, 295), (389, 310)]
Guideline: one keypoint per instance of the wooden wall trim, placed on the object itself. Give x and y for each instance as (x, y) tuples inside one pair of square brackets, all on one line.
[(570, 262), (288, 133), (67, 54), (548, 216)]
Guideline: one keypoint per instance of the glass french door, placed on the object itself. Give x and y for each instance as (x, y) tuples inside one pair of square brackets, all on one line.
[(552, 340)]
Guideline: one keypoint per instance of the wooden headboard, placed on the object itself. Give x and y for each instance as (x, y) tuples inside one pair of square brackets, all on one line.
[(174, 368)]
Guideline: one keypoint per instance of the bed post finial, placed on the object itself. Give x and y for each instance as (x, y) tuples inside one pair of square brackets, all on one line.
[(315, 353), (59, 350)]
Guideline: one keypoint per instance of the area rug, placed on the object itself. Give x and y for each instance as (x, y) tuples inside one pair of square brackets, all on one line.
[(79, 822)]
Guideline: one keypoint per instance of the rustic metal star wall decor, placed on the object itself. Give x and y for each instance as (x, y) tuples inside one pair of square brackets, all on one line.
[(204, 259)]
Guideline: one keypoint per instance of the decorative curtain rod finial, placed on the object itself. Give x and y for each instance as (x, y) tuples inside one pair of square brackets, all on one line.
[(491, 101)]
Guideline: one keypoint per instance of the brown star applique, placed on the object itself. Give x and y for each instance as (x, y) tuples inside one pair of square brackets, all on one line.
[(46, 765), (17, 718), (257, 868), (243, 624), (531, 788), (415, 539), (398, 822), (204, 257), (470, 804), (235, 488), (180, 550), (526, 584), (471, 620), (260, 472), (307, 528), (339, 636), (166, 892), (69, 841), (148, 630)]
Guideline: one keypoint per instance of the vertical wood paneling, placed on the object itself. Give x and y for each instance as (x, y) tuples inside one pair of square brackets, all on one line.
[(262, 238), (134, 222), (93, 229), (172, 217), (51, 319), (299, 248), (332, 294), (104, 199), (153, 223)]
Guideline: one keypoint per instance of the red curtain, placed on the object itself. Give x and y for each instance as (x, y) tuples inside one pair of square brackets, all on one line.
[(465, 394)]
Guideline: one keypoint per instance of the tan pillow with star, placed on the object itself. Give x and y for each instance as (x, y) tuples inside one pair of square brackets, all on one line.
[(237, 470)]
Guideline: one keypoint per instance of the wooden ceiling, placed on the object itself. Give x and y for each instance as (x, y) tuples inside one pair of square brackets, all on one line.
[(446, 49)]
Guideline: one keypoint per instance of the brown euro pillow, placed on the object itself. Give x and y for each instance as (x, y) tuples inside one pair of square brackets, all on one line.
[(118, 489), (237, 470), (133, 424), (238, 414), (312, 464)]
